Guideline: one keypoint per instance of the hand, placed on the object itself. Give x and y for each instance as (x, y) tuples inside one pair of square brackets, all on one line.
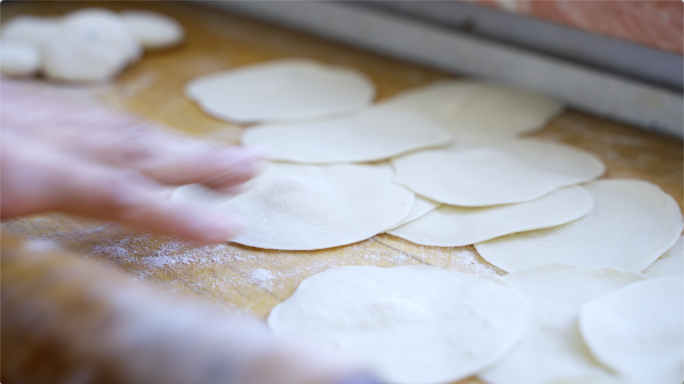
[(71, 155)]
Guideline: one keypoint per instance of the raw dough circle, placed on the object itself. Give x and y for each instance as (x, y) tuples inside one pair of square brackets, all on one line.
[(511, 171), (375, 134), (415, 324), (451, 226), (29, 29), (421, 206), (632, 223), (281, 90), (90, 46), (639, 330), (669, 264), (553, 350), (470, 107), (19, 59), (304, 207), (154, 30)]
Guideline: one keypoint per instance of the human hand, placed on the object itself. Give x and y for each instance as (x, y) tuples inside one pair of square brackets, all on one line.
[(72, 155)]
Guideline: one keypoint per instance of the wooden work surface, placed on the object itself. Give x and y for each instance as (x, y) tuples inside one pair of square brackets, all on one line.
[(250, 280)]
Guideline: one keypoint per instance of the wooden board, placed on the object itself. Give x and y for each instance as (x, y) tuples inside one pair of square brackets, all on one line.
[(250, 280)]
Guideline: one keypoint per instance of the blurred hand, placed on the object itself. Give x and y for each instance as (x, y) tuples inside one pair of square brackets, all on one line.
[(72, 155)]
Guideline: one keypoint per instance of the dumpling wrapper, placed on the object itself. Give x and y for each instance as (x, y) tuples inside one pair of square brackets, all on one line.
[(506, 172), (287, 89), (421, 206), (553, 351), (670, 264), (305, 207), (409, 325), (638, 331), (632, 223), (375, 134), (470, 108), (451, 226)]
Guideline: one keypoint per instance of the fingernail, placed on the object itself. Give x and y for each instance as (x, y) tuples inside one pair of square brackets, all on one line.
[(217, 228), (260, 151)]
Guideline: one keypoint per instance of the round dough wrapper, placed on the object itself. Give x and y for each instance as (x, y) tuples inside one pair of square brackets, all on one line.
[(421, 206), (19, 59), (469, 107), (553, 350), (639, 331), (670, 264), (451, 226), (414, 324), (91, 45), (154, 30), (375, 134), (29, 29), (288, 89), (632, 223), (510, 171), (305, 207)]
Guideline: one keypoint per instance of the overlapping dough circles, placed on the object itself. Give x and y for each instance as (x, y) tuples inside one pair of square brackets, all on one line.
[(303, 207), (507, 172), (451, 226), (375, 134), (469, 107), (638, 331), (553, 350), (669, 264), (19, 59), (421, 206), (29, 29), (154, 30), (632, 223), (414, 324), (281, 90)]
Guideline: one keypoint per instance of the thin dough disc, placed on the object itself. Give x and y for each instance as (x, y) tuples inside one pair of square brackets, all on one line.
[(304, 207), (632, 223), (670, 264), (375, 134), (451, 226), (469, 107), (414, 324), (421, 206), (511, 171), (281, 90), (639, 331), (19, 59), (29, 29), (154, 30), (553, 350)]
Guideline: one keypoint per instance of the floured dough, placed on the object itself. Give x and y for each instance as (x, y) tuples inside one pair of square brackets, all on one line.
[(115, 32), (154, 30), (632, 223), (670, 264), (409, 325), (470, 108), (421, 206), (375, 134), (281, 90), (303, 207), (19, 59), (451, 226), (553, 350), (29, 29), (505, 172), (639, 331)]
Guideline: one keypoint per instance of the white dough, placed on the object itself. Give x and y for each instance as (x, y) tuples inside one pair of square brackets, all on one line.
[(505, 172), (421, 206), (670, 264), (28, 29), (632, 223), (375, 134), (154, 30), (639, 331), (114, 30), (304, 207), (553, 351), (451, 226), (470, 108), (19, 59), (287, 89), (410, 325)]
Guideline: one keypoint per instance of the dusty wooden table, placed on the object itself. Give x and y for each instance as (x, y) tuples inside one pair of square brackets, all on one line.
[(250, 280)]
